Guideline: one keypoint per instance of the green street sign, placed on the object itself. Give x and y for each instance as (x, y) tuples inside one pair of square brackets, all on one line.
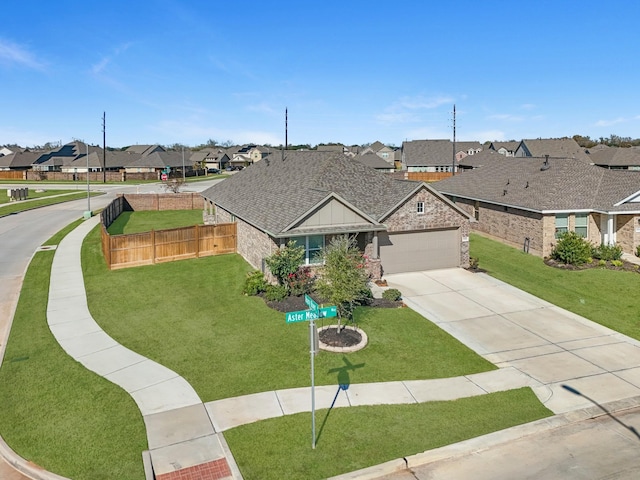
[(301, 316), (328, 312), (310, 302), (305, 315)]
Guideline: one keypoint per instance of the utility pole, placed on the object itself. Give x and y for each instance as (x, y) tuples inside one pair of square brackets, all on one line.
[(453, 165), (286, 131), (104, 147)]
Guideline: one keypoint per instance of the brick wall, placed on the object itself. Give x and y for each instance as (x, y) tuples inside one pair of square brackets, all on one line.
[(163, 201), (437, 214)]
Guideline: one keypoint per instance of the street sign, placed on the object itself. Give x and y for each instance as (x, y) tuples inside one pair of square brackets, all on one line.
[(305, 315), (310, 302), (301, 316)]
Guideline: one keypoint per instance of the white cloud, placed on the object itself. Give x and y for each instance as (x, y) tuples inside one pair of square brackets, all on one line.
[(527, 106), (507, 117), (189, 132), (616, 121), (107, 59), (407, 109), (13, 54), (487, 135)]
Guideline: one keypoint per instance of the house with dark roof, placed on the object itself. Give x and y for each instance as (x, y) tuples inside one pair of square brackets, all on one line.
[(160, 161), (508, 149), (464, 149), (144, 149), (615, 158), (528, 202), (374, 161), (554, 147), (311, 196), (427, 156)]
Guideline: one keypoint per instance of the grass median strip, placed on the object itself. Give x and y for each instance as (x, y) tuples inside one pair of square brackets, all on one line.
[(358, 437), (55, 413), (33, 194), (18, 207)]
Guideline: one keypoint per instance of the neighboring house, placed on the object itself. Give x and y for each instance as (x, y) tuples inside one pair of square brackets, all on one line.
[(312, 196), (508, 149), (331, 148), (212, 157), (160, 161), (374, 161), (527, 203), (554, 147), (427, 156), (19, 160), (115, 160), (5, 151), (478, 160), (616, 158), (464, 149), (144, 149)]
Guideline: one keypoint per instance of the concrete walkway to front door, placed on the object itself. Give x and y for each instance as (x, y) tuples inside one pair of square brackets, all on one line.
[(512, 328)]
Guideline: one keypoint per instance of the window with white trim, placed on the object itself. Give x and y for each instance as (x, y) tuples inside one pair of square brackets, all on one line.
[(420, 208), (582, 222), (562, 224), (313, 245)]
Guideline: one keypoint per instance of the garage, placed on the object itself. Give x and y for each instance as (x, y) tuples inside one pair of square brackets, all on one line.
[(415, 251)]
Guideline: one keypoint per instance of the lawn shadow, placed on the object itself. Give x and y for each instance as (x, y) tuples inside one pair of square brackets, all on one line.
[(343, 384)]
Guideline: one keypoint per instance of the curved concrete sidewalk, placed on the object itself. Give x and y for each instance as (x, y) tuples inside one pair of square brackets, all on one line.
[(180, 435)]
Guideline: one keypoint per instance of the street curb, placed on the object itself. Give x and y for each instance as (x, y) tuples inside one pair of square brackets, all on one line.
[(484, 442), (25, 467)]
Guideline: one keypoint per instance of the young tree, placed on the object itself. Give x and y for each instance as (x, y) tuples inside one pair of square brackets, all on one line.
[(344, 278)]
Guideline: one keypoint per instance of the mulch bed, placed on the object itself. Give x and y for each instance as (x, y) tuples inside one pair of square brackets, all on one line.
[(626, 266), (346, 338)]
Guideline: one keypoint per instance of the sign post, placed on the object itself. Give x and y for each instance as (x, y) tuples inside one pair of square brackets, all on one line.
[(311, 315)]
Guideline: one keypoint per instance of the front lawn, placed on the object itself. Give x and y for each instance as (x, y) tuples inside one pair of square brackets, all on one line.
[(191, 317), (607, 297)]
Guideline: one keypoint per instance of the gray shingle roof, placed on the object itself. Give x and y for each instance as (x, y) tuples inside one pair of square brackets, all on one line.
[(465, 146), (567, 185), (555, 147), (161, 160), (422, 153), (373, 161), (616, 157), (509, 146), (273, 193)]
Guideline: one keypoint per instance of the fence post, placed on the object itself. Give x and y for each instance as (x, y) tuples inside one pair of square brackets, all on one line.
[(197, 241), (153, 246)]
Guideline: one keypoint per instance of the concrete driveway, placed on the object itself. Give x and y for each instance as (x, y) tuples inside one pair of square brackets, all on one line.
[(510, 327)]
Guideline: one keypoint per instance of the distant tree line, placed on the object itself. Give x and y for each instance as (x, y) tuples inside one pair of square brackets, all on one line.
[(612, 140)]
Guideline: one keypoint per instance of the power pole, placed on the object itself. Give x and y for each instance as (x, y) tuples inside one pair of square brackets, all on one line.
[(286, 131), (453, 165), (104, 147)]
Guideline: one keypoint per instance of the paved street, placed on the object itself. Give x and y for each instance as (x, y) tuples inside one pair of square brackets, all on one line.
[(601, 448)]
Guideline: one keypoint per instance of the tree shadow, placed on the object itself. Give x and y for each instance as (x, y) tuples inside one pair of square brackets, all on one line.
[(343, 385), (631, 428)]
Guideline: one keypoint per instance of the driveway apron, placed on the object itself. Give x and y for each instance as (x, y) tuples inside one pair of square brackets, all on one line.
[(512, 328)]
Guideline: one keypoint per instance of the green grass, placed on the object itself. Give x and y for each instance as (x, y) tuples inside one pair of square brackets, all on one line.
[(33, 194), (191, 317), (17, 207), (358, 437), (54, 412), (607, 297), (145, 221)]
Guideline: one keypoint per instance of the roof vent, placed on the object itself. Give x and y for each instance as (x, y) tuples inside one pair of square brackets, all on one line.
[(527, 185), (545, 165), (504, 192)]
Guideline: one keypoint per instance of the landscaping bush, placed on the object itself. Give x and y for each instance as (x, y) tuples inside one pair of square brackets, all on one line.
[(392, 294), (275, 293), (616, 263), (285, 261), (572, 249), (255, 283), (301, 281), (638, 251), (474, 263), (607, 252)]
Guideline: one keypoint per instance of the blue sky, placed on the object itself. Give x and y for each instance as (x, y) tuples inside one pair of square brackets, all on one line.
[(349, 71)]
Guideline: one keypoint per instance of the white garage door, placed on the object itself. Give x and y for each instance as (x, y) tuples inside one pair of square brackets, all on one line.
[(415, 251)]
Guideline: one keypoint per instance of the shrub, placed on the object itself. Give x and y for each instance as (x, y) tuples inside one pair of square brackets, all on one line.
[(392, 294), (285, 261), (301, 281), (254, 283), (602, 263), (616, 263), (474, 262), (638, 251), (572, 249), (275, 293), (608, 252)]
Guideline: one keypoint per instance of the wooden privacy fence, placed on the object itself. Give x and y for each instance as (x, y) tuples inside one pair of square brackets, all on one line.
[(157, 246)]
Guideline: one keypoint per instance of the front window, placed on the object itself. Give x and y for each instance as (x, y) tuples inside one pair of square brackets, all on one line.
[(420, 208), (562, 224), (314, 245), (581, 224)]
